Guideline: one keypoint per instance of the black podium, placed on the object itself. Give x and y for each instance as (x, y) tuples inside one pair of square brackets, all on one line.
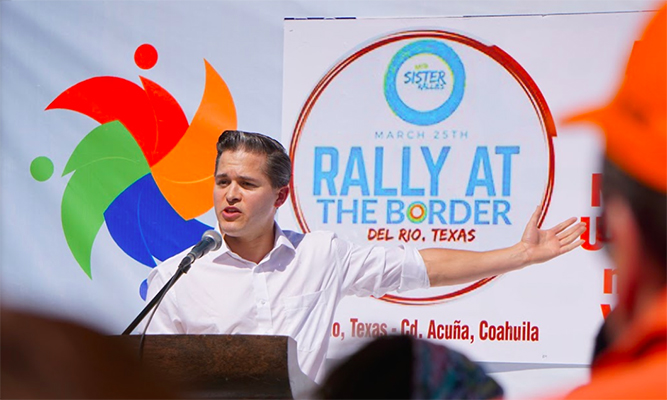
[(224, 366)]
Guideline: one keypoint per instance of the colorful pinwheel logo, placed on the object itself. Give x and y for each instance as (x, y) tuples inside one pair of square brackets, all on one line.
[(145, 170)]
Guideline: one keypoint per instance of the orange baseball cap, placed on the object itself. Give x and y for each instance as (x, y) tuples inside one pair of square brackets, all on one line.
[(634, 122)]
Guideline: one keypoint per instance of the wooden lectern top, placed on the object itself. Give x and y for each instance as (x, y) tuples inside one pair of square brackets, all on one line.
[(225, 366)]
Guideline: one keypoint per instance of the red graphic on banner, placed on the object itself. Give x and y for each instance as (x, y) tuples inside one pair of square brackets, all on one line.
[(596, 201), (145, 56), (109, 98)]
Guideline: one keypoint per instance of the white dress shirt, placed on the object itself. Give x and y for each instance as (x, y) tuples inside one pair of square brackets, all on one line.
[(293, 291)]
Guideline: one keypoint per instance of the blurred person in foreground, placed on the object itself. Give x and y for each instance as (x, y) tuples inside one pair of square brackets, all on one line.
[(633, 363), (404, 367), (44, 357)]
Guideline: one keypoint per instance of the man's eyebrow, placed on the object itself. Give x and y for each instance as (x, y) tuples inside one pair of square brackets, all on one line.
[(240, 177)]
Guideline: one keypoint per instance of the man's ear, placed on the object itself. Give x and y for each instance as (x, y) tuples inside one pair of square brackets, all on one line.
[(283, 192), (626, 251)]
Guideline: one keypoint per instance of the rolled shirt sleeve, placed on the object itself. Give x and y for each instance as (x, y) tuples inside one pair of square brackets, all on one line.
[(375, 270)]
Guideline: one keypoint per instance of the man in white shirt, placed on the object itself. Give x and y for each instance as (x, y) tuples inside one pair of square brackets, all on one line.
[(267, 281)]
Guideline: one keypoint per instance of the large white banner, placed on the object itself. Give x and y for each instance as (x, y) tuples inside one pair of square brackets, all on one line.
[(444, 132)]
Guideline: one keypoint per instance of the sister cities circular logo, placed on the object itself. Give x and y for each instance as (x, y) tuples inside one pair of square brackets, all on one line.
[(424, 82), (426, 138)]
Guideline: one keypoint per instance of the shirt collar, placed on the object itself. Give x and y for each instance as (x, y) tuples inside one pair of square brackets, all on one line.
[(279, 240)]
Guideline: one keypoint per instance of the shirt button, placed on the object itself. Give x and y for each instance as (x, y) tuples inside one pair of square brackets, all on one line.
[(262, 302)]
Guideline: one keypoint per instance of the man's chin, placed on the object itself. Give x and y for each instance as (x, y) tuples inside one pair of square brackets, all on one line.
[(230, 230)]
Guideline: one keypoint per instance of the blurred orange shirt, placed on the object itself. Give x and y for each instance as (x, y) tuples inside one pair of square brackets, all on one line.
[(634, 367)]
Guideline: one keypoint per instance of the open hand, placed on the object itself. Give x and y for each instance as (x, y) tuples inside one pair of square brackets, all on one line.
[(544, 244)]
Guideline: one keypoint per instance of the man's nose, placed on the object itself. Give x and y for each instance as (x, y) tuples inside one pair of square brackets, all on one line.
[(233, 194)]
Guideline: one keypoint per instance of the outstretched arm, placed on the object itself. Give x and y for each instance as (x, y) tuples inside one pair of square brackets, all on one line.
[(449, 267)]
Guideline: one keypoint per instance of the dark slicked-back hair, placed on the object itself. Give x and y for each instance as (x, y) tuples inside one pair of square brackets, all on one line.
[(278, 164)]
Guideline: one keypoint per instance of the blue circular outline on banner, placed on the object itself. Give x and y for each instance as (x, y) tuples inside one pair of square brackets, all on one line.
[(408, 113)]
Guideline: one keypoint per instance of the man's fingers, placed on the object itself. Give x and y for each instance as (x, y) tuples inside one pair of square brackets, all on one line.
[(564, 225), (535, 217), (571, 246), (571, 234), (567, 230)]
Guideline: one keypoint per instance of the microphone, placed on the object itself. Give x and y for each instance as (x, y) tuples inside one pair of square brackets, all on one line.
[(210, 241)]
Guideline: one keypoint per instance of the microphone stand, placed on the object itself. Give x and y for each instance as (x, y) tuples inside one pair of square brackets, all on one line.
[(182, 269)]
